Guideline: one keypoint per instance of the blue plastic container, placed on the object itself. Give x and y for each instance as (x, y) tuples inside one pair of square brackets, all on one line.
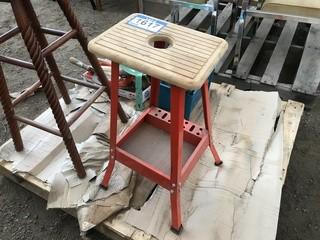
[(192, 98)]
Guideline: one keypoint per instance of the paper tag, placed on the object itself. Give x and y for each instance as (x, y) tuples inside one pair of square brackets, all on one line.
[(147, 23)]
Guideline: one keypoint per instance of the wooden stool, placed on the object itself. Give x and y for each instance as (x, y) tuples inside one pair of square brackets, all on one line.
[(181, 57), (41, 53)]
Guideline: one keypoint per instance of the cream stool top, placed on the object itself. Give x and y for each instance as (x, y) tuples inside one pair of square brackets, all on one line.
[(187, 61), (307, 8)]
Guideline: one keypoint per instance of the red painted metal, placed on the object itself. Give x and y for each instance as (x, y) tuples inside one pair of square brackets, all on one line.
[(207, 121), (195, 156), (144, 168), (133, 127), (155, 88), (157, 121), (177, 127), (113, 122), (177, 98)]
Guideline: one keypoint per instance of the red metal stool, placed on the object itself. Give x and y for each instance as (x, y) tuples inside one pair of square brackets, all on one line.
[(40, 52), (164, 51)]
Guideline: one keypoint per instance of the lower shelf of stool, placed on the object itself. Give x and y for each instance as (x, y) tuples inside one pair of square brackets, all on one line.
[(145, 147), (153, 146)]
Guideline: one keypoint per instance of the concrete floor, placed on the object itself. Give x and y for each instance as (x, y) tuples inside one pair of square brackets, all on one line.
[(23, 215)]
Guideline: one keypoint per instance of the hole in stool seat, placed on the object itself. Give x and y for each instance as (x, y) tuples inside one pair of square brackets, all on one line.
[(160, 41)]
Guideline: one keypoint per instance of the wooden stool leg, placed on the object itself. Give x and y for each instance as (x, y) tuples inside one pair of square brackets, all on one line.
[(49, 58), (177, 104), (93, 4), (207, 120), (99, 4), (9, 113), (113, 122), (35, 53), (75, 24)]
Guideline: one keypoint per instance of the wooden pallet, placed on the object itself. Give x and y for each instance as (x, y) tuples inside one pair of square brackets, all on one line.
[(117, 229), (267, 54)]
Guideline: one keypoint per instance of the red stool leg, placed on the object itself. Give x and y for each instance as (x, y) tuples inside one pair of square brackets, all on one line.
[(207, 120), (155, 88), (113, 122), (177, 102)]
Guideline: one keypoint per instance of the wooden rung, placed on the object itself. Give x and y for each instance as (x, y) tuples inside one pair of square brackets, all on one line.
[(273, 70), (17, 62), (53, 31), (85, 106), (38, 125), (11, 33), (59, 42), (80, 82)]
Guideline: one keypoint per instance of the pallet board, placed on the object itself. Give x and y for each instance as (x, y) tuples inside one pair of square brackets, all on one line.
[(273, 70), (249, 57), (308, 76), (307, 79)]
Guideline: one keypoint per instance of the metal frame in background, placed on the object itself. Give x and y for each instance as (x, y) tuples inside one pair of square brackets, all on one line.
[(247, 10), (212, 6)]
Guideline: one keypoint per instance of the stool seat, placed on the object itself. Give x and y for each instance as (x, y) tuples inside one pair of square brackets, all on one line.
[(306, 8), (185, 58)]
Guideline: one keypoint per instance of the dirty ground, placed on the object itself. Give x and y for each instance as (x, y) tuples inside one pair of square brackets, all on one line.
[(23, 215)]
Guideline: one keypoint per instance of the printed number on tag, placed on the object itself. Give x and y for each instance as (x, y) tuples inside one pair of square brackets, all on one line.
[(147, 23)]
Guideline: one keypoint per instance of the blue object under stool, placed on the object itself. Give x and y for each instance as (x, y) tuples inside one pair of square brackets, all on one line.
[(192, 98)]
